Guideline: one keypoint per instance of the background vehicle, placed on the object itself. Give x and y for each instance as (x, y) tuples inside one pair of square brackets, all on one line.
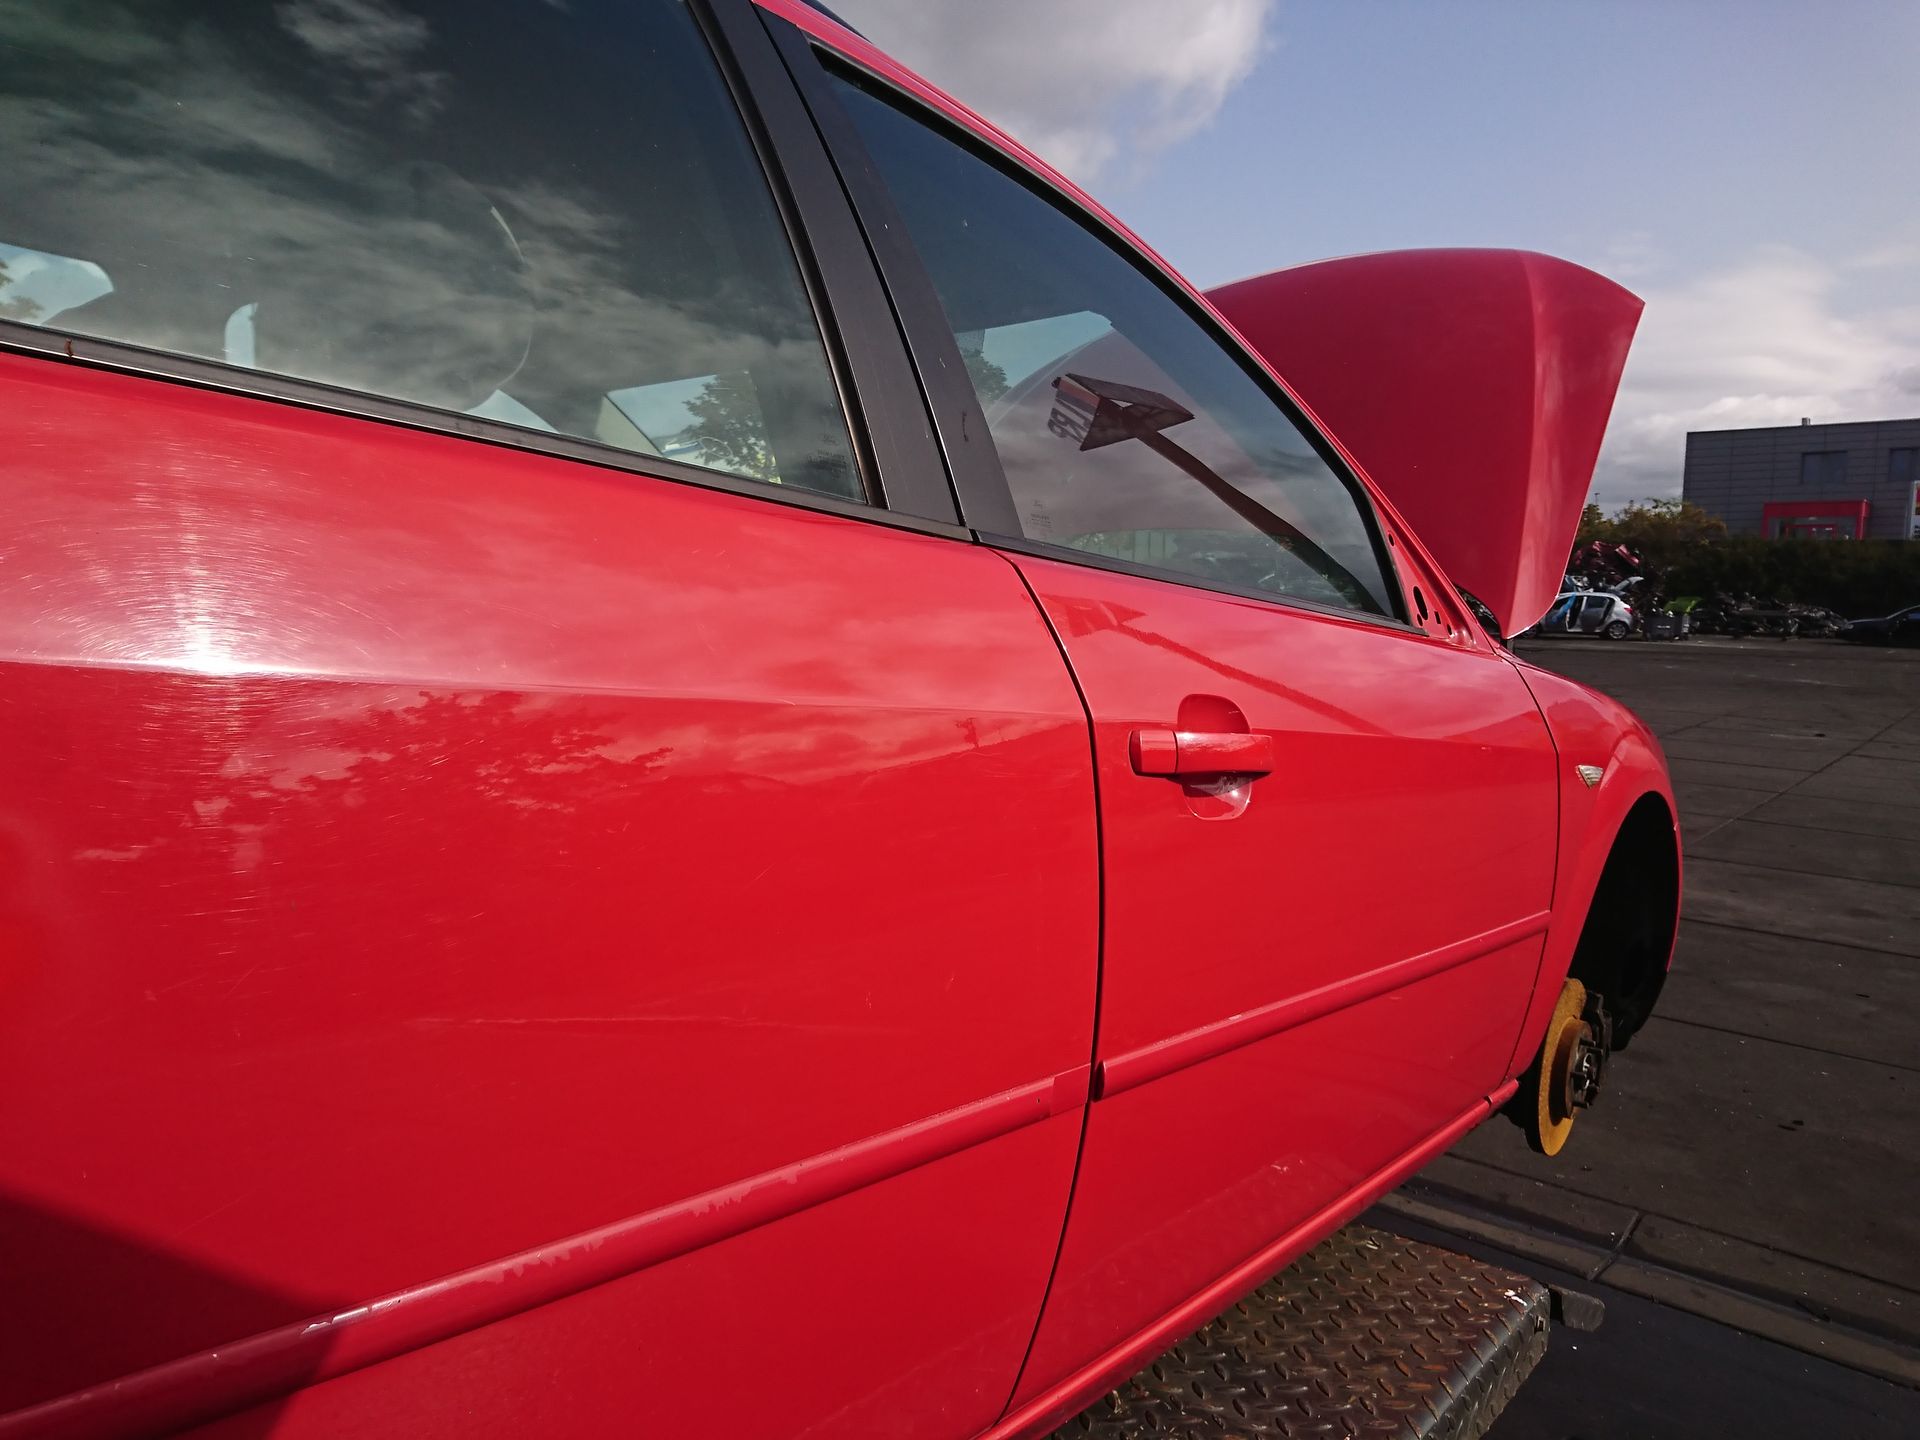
[(1749, 615), (1588, 612), (629, 700), (1902, 627)]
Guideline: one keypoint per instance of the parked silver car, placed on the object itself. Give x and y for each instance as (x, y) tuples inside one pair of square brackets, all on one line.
[(1587, 612)]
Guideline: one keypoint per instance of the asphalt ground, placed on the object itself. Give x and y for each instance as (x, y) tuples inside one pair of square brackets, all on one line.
[(1751, 1174), (1653, 1372)]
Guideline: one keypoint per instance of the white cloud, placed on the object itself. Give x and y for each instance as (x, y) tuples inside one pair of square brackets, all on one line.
[(1632, 255), (1899, 250), (1082, 83), (1765, 341)]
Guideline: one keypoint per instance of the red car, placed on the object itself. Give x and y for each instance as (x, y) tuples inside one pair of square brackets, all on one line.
[(686, 752)]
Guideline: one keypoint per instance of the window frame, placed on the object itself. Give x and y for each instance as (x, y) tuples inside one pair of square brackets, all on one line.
[(986, 500), (894, 447)]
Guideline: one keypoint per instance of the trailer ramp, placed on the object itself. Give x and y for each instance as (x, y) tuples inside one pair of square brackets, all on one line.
[(1366, 1335)]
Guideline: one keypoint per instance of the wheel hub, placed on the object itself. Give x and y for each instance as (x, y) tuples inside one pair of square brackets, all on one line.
[(1589, 1065)]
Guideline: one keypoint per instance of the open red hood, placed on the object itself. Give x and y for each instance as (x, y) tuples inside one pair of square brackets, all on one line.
[(1473, 386)]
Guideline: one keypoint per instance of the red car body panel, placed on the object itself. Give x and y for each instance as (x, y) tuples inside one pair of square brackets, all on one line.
[(418, 853), (495, 941), (1473, 386), (1595, 730), (750, 1338), (1234, 915)]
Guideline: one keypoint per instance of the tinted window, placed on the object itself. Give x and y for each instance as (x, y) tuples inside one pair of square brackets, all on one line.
[(1823, 467), (543, 213), (1124, 428)]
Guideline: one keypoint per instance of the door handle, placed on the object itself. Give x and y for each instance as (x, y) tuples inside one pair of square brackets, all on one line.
[(1200, 752)]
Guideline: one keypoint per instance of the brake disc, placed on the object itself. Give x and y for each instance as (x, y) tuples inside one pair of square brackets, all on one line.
[(1565, 1074)]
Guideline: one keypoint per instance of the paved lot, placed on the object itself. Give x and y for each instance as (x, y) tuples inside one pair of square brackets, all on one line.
[(1652, 1372), (1756, 1156)]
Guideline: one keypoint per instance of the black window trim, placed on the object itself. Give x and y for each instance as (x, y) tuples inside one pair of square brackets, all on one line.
[(885, 412), (898, 461), (986, 500), (1043, 550)]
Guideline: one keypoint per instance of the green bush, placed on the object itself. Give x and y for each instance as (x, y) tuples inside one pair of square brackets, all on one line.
[(1686, 551), (1855, 577)]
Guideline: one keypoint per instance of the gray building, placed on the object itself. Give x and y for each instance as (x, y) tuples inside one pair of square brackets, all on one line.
[(1853, 481)]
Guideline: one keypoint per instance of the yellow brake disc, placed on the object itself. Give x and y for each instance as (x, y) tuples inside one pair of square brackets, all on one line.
[(1547, 1087)]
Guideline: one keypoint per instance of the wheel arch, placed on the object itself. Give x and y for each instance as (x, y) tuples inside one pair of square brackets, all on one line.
[(1618, 870), (1626, 935), (1619, 884)]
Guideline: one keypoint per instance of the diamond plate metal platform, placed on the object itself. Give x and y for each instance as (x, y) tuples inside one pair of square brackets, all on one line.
[(1367, 1334)]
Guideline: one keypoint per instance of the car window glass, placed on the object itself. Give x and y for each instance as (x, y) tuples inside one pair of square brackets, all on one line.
[(1124, 428), (545, 214)]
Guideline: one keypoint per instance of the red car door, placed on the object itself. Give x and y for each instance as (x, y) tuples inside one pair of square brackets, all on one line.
[(1327, 803), (533, 902)]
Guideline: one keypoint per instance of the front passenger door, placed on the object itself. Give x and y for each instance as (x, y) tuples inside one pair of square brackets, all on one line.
[(1327, 807)]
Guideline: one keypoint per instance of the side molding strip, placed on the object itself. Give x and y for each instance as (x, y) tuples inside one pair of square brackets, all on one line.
[(1177, 1052), (202, 1387)]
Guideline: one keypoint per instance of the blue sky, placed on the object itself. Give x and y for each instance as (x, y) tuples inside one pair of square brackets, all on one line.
[(1752, 169)]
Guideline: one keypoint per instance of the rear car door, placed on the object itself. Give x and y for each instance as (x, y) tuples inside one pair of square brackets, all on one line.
[(505, 761), (1327, 803)]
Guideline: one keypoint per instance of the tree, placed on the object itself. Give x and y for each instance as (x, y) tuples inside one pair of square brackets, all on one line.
[(1594, 525), (730, 430), (1664, 530), (989, 380), (1683, 550), (15, 307)]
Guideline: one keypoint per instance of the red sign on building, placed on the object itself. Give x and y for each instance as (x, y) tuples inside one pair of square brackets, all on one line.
[(1814, 519)]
